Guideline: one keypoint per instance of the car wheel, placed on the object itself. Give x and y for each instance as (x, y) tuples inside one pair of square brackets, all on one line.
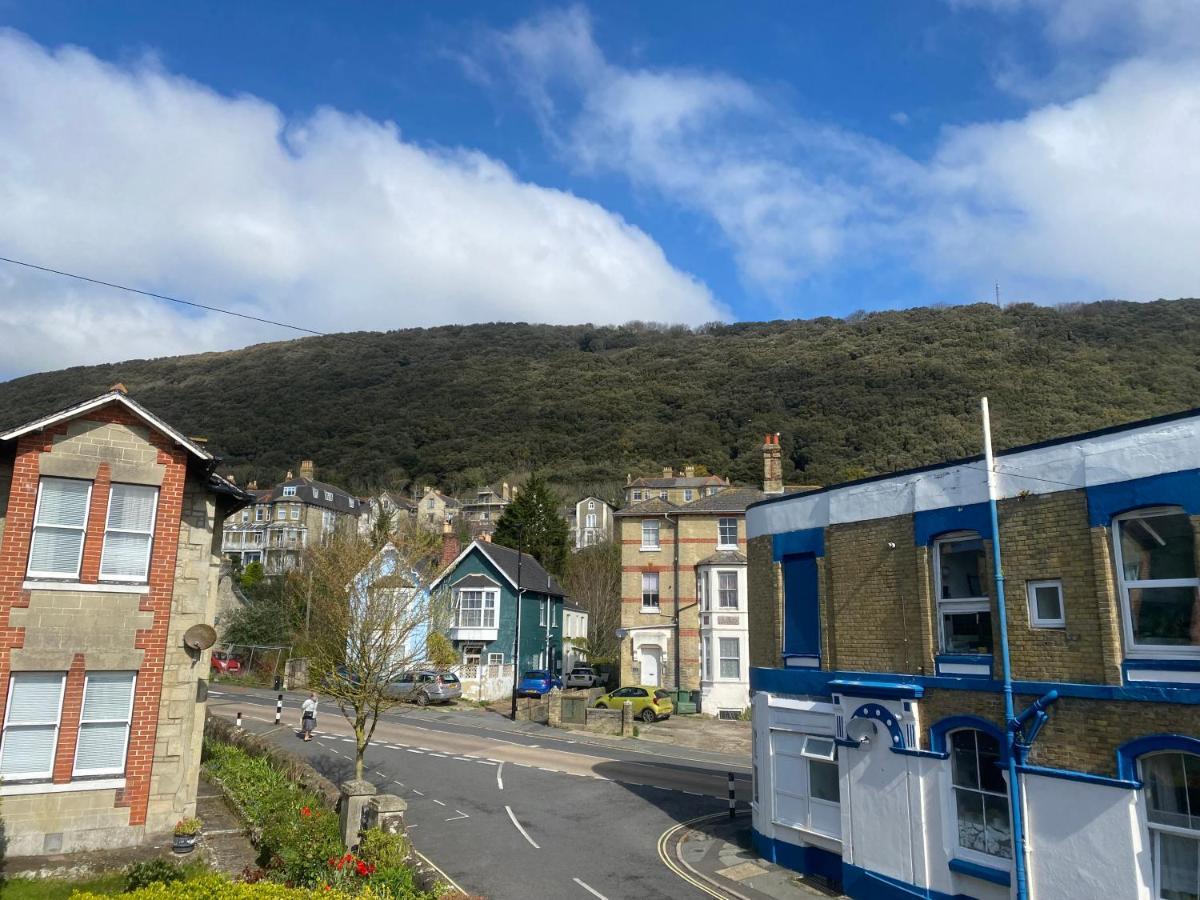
[(422, 699), (601, 706), (648, 715)]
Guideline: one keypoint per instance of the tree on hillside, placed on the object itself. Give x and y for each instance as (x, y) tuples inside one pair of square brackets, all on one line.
[(372, 618), (532, 522), (384, 524), (593, 581)]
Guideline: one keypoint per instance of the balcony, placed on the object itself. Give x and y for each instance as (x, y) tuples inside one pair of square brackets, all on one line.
[(473, 633)]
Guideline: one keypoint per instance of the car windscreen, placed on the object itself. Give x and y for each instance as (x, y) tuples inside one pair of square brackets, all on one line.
[(537, 676), (658, 695)]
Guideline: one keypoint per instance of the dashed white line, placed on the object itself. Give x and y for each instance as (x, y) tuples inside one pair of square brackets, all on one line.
[(485, 762), (524, 833), (591, 890), (544, 769), (411, 750), (418, 793), (438, 755), (461, 815), (500, 776), (438, 802)]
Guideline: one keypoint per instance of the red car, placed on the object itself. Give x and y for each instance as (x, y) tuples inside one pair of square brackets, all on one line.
[(224, 664)]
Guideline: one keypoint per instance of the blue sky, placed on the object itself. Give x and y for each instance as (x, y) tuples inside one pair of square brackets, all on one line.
[(387, 165)]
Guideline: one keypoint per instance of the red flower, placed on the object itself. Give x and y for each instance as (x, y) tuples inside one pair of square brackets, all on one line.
[(305, 811), (363, 872)]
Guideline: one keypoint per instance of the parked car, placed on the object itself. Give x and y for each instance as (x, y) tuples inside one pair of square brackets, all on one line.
[(425, 686), (538, 683), (340, 676), (582, 677), (224, 664), (649, 703)]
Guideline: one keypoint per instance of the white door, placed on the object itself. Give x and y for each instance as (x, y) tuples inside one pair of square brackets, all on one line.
[(651, 658)]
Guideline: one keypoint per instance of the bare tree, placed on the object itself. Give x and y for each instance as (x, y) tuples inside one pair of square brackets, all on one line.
[(372, 615), (593, 581)]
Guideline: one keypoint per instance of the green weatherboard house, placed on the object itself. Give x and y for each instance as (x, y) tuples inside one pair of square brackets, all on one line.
[(483, 585)]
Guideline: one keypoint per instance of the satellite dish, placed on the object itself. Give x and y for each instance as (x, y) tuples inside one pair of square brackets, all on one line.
[(199, 637), (621, 633), (861, 730)]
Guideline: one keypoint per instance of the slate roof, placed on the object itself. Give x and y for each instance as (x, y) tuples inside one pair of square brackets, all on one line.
[(340, 500), (734, 500), (679, 481), (533, 576), (724, 558), (655, 506)]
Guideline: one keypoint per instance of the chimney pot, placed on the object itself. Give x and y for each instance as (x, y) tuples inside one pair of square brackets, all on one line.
[(289, 475), (307, 469), (667, 472), (772, 465), (450, 545), (119, 388), (689, 471)]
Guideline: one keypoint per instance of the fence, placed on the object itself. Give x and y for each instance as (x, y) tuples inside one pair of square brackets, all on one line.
[(486, 683), (257, 663)]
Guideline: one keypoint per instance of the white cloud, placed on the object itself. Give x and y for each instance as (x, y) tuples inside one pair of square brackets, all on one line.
[(135, 175)]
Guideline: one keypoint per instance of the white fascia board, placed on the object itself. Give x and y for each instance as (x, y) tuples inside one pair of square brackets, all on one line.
[(112, 396), (1090, 461)]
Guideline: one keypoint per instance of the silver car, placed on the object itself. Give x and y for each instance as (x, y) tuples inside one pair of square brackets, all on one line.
[(425, 686)]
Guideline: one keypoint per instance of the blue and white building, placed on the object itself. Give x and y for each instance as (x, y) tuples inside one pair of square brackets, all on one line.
[(882, 642)]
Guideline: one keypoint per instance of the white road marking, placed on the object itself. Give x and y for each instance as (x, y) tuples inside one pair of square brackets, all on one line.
[(411, 750), (524, 833), (418, 793), (426, 749), (461, 815), (500, 776), (489, 759), (438, 755), (485, 762), (439, 802), (525, 765), (544, 769), (398, 783), (591, 890)]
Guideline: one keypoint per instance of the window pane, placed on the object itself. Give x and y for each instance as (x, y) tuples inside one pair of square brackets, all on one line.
[(126, 555), (55, 550), (1048, 602), (967, 632), (823, 781), (101, 747), (63, 502), (998, 834), (730, 662), (35, 697), (108, 695), (27, 750), (961, 563), (1165, 777), (1179, 870), (819, 746), (964, 759), (1167, 615), (131, 507), (971, 832), (1158, 547)]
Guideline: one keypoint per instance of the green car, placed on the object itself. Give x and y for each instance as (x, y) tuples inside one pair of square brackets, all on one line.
[(649, 703)]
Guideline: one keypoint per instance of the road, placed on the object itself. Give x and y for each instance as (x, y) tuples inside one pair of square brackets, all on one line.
[(512, 814)]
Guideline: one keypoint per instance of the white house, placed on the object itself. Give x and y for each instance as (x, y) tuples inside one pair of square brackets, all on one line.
[(575, 628)]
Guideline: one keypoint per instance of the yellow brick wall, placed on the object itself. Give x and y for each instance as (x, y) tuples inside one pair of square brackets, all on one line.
[(764, 604)]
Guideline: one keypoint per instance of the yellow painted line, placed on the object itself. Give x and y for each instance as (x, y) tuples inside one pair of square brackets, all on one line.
[(666, 836)]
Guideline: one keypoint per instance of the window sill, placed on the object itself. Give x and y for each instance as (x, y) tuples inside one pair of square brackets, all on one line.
[(650, 549), (43, 787), (728, 547), (1161, 670), (964, 665), (104, 587), (983, 872), (651, 610)]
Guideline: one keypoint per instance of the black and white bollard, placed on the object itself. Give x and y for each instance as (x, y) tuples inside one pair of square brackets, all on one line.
[(279, 709), (238, 721), (732, 798)]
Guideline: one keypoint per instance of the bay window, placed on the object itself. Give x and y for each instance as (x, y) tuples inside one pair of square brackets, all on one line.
[(964, 609), (1160, 591), (1172, 788), (128, 532), (730, 657), (59, 525), (727, 590), (476, 609)]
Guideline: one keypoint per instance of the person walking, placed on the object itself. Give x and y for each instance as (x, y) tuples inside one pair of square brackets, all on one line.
[(308, 716)]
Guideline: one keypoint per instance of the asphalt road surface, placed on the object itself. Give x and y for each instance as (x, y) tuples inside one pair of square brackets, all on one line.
[(514, 815)]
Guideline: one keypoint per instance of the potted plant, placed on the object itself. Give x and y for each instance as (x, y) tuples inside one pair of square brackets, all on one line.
[(187, 832)]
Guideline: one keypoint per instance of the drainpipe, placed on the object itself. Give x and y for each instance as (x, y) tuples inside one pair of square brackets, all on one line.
[(675, 577), (1010, 720)]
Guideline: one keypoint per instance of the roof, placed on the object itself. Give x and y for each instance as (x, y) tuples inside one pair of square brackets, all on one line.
[(574, 607), (533, 577), (680, 481), (724, 558), (338, 501), (730, 500)]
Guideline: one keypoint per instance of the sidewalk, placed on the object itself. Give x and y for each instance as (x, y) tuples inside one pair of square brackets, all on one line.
[(717, 855)]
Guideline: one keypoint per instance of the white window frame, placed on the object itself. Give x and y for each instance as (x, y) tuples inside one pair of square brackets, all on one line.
[(687, 495), (637, 495), (1037, 621), (495, 659), (657, 592), (591, 504), (807, 756), (76, 772), (56, 722), (258, 513), (87, 512), (289, 491), (662, 495), (722, 658), (149, 544), (955, 605), (722, 544), (294, 512), (329, 496), (1132, 648), (950, 807), (702, 590), (656, 528), (589, 520), (737, 591), (1158, 829), (245, 516), (487, 604)]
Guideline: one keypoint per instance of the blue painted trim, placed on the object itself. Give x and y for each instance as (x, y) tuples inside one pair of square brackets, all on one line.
[(985, 873), (1165, 665), (1169, 489), (886, 717), (928, 524), (1085, 777), (1128, 753), (804, 540), (809, 860), (940, 730), (870, 688), (812, 682), (866, 885), (927, 754), (843, 742)]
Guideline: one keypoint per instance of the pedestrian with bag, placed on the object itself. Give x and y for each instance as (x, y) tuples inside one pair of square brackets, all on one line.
[(308, 716)]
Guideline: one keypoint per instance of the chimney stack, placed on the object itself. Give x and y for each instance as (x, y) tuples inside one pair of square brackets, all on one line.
[(450, 547), (689, 471), (231, 478), (667, 473), (307, 469), (289, 476), (486, 537), (504, 491), (252, 485), (772, 464)]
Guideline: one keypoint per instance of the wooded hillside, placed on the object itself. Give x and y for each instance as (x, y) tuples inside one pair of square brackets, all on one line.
[(458, 406)]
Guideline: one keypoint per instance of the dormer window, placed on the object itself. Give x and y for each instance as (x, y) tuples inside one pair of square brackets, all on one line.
[(316, 494), (329, 496), (289, 491)]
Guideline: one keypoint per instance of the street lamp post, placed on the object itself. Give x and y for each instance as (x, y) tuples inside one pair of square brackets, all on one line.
[(517, 630)]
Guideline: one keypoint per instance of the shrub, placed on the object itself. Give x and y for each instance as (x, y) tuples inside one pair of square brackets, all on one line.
[(188, 827), (152, 871), (218, 887), (384, 850)]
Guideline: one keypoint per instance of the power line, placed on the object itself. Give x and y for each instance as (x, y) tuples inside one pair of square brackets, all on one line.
[(168, 299)]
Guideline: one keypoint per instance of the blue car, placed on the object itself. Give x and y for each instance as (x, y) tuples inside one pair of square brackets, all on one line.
[(537, 683)]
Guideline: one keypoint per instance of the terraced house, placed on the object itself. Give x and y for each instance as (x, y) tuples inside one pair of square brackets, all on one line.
[(107, 557), (884, 756)]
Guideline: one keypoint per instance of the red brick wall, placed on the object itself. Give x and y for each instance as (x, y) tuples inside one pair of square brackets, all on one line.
[(14, 554)]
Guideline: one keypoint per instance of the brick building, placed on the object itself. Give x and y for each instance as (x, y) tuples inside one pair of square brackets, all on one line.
[(881, 754), (107, 556), (683, 585)]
